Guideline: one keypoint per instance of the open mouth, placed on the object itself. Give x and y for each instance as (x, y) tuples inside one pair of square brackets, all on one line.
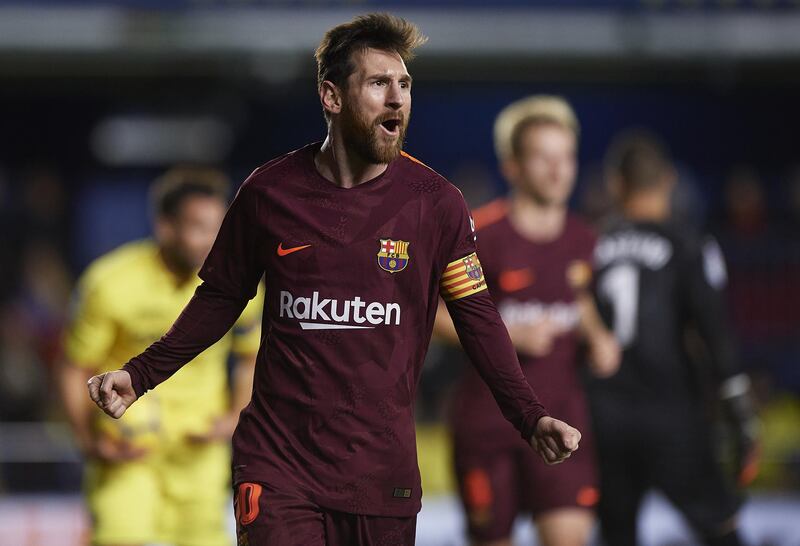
[(391, 126)]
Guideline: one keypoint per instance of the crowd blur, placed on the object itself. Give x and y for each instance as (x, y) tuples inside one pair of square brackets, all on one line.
[(36, 283)]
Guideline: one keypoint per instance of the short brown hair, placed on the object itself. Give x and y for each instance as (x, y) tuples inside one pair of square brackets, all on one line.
[(638, 159), (171, 189), (375, 30), (512, 121)]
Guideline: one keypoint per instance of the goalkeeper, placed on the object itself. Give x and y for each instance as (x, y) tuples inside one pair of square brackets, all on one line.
[(657, 284)]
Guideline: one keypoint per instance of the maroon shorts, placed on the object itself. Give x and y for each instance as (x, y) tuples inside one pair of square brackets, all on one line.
[(265, 517), (497, 484)]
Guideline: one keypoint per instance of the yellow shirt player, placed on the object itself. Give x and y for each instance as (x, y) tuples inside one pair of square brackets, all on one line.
[(161, 474)]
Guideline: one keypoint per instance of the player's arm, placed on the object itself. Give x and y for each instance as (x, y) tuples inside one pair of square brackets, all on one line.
[(245, 345), (705, 279), (71, 381), (604, 349), (485, 339), (88, 338), (230, 274)]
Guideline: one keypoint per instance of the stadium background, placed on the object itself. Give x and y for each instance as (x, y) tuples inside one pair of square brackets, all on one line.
[(96, 98)]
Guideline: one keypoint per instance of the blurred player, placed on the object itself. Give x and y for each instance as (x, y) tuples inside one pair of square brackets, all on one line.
[(161, 473), (358, 240), (656, 283), (537, 259)]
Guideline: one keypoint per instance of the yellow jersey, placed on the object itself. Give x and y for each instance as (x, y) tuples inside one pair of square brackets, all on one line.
[(126, 300)]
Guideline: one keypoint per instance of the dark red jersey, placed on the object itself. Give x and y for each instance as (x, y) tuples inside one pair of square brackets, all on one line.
[(528, 281), (353, 277)]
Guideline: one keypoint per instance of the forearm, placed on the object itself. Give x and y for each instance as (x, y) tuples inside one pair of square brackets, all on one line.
[(590, 324), (705, 280), (206, 318), (711, 322), (77, 406), (485, 340)]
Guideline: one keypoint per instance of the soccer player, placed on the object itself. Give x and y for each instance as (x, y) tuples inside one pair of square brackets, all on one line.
[(162, 473), (358, 240), (657, 283), (537, 261)]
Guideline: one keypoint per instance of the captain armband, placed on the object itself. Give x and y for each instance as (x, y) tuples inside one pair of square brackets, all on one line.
[(461, 278)]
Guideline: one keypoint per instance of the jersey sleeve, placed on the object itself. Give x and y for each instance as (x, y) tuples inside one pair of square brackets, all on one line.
[(247, 330), (705, 280), (478, 324), (231, 274), (90, 333), (234, 265)]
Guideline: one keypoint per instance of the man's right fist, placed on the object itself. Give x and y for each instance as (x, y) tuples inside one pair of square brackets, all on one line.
[(112, 392)]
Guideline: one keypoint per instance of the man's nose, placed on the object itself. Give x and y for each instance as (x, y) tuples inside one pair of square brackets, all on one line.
[(395, 97)]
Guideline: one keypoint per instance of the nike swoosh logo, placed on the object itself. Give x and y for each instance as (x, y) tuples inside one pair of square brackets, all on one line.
[(515, 279), (284, 251)]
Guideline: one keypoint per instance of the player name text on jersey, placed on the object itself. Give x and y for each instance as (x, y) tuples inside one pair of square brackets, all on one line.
[(650, 250)]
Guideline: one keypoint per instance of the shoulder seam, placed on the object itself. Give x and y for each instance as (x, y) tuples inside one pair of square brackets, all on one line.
[(266, 167), (418, 162)]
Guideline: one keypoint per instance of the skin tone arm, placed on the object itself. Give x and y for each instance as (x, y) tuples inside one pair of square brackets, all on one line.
[(71, 382), (604, 350)]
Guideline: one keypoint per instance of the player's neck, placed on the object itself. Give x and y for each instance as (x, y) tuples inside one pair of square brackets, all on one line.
[(647, 207), (342, 166), (536, 221)]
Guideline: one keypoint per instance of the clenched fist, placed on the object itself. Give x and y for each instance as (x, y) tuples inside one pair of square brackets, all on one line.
[(112, 392), (554, 440)]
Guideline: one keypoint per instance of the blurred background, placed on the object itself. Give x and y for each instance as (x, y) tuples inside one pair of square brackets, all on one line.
[(99, 97)]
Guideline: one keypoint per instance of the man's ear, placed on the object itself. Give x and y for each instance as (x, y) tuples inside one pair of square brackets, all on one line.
[(509, 168), (670, 177), (614, 186), (331, 97)]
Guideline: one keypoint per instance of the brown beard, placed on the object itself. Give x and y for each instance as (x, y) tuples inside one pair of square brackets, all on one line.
[(178, 261), (364, 137)]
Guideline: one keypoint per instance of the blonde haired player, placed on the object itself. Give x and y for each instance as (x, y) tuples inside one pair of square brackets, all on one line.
[(162, 472), (537, 260)]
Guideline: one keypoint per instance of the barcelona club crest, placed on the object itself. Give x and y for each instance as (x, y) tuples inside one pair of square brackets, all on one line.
[(473, 268), (393, 255)]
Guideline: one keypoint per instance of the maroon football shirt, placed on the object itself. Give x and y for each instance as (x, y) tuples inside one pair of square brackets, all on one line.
[(528, 280), (353, 277)]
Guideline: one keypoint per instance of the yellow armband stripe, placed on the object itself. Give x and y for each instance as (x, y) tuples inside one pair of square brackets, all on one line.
[(462, 278)]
